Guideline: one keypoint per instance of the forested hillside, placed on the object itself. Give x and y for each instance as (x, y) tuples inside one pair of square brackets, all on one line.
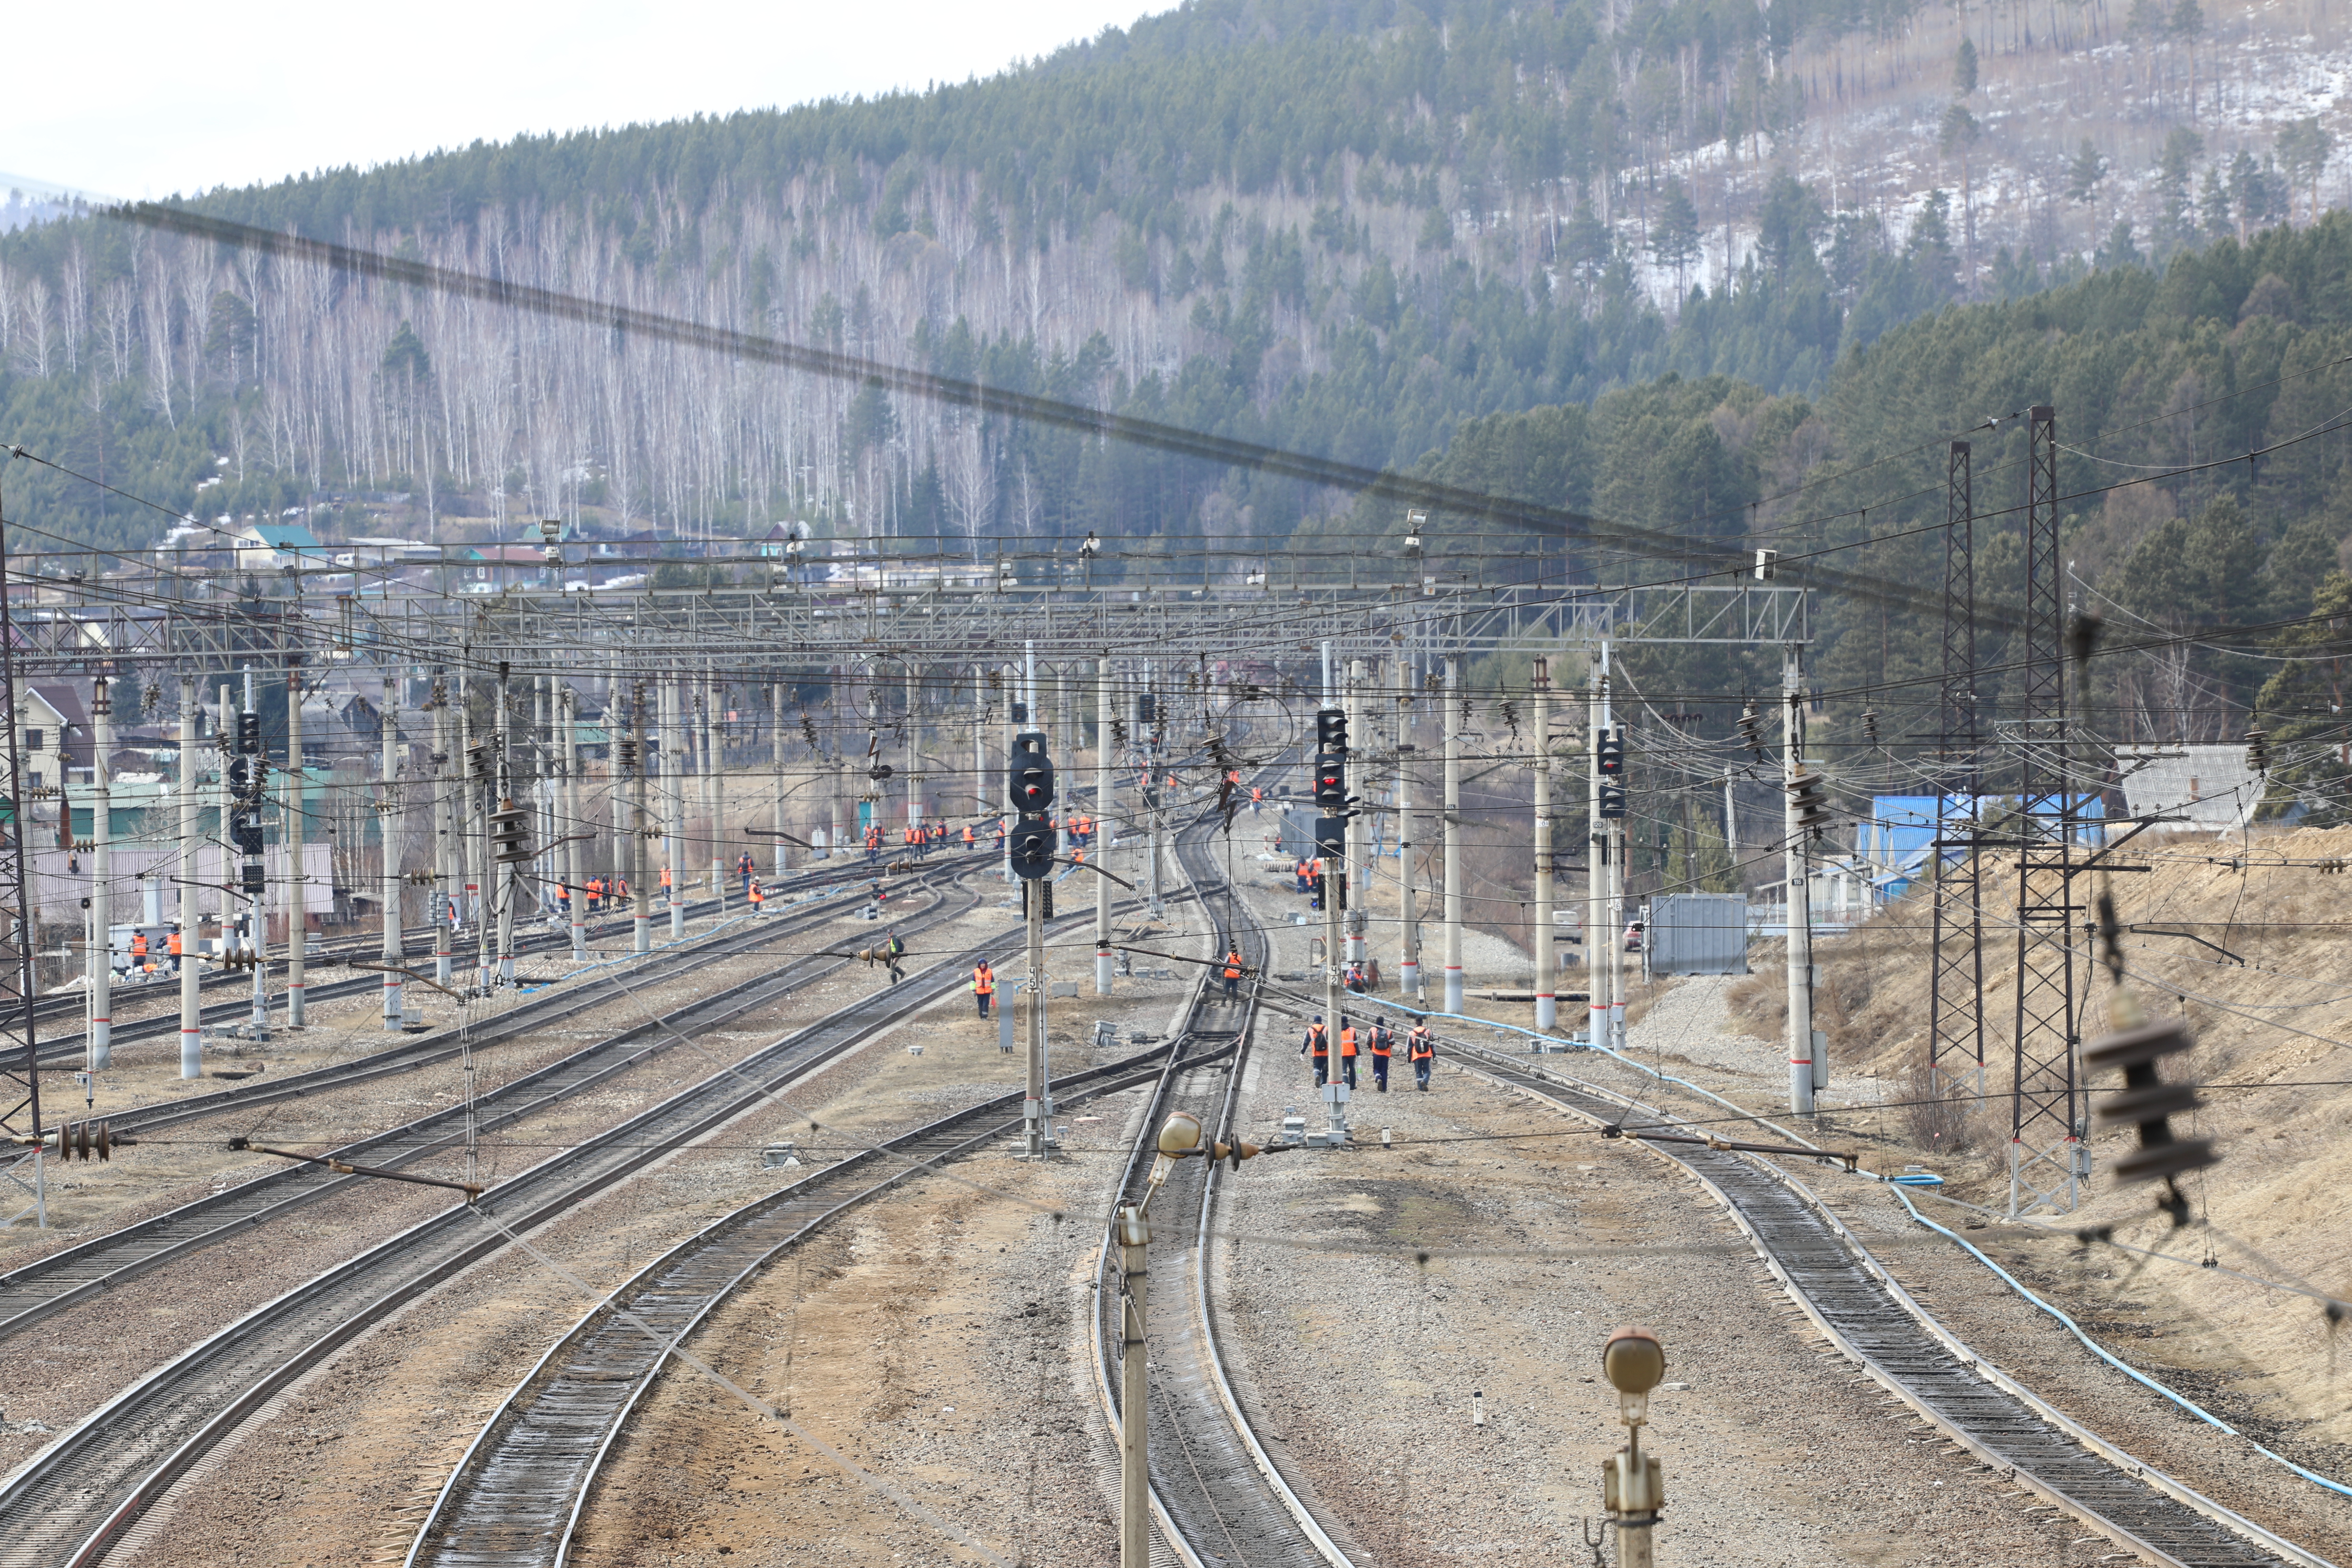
[(1676, 264), (1341, 228)]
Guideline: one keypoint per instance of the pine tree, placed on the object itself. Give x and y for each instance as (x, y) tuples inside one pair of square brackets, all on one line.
[(1674, 235)]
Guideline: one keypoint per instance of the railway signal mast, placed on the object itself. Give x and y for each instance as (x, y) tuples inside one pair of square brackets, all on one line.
[(1029, 783), (1331, 849)]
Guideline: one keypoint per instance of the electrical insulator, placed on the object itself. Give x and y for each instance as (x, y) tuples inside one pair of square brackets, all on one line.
[(1807, 793), (1870, 726), (625, 752), (2258, 751), (1029, 778), (509, 839), (1032, 847), (1332, 729), (478, 760), (1751, 733), (2149, 1102), (83, 1139), (1609, 753)]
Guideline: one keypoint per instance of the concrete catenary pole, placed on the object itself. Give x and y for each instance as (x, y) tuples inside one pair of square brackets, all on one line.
[(1408, 917), (298, 902), (1106, 706), (1613, 914), (1546, 968), (257, 911), (776, 753), (100, 953), (1359, 876), (448, 770), (1453, 834), (1596, 877), (714, 785), (1799, 921), (1134, 1457), (387, 818), (673, 774), (568, 701), (914, 748), (506, 877), (640, 826), (192, 1010)]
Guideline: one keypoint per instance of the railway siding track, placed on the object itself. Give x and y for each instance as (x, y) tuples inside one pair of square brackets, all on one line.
[(166, 1024), (66, 1506), (51, 1284), (1857, 1305), (514, 1500)]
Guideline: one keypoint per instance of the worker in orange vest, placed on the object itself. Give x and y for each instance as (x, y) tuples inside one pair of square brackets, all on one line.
[(971, 841), (983, 985), (758, 897), (172, 946), (743, 869), (1384, 1045), (1421, 1051), (1348, 1051), (1319, 1045), (1232, 971), (1257, 798)]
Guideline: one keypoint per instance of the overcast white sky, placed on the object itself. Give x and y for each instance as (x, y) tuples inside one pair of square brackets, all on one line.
[(142, 98)]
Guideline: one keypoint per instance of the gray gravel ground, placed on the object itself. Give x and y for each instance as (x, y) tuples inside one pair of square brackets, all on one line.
[(1359, 1363)]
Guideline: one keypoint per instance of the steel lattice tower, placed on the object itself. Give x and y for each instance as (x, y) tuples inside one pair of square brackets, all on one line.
[(2045, 1127), (1956, 1025), (20, 1084)]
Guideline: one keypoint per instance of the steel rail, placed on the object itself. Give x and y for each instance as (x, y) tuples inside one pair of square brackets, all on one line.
[(1219, 1497), (1874, 1322), (166, 1024), (75, 1274), (516, 1498), (68, 1505)]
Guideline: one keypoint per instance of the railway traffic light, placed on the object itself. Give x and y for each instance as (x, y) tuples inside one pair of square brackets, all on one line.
[(1331, 782), (1612, 800), (1032, 847), (1331, 731), (1609, 753), (1030, 778)]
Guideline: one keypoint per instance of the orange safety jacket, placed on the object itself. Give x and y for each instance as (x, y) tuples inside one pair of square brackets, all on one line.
[(758, 896), (1381, 1042), (1418, 1046), (173, 946), (1318, 1043), (968, 837), (139, 945), (983, 981), (1347, 1041), (665, 878), (1234, 965)]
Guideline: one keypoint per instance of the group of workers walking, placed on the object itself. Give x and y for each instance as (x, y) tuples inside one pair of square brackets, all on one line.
[(1379, 1042)]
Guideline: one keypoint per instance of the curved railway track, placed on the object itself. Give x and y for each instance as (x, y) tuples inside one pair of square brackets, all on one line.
[(1219, 1498), (515, 1500), (66, 1506), (1853, 1300), (75, 1274)]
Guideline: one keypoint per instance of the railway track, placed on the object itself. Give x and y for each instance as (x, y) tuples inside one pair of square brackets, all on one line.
[(443, 1044), (66, 1506), (515, 1498), (1852, 1298), (165, 1024), (1219, 1498), (51, 1284)]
